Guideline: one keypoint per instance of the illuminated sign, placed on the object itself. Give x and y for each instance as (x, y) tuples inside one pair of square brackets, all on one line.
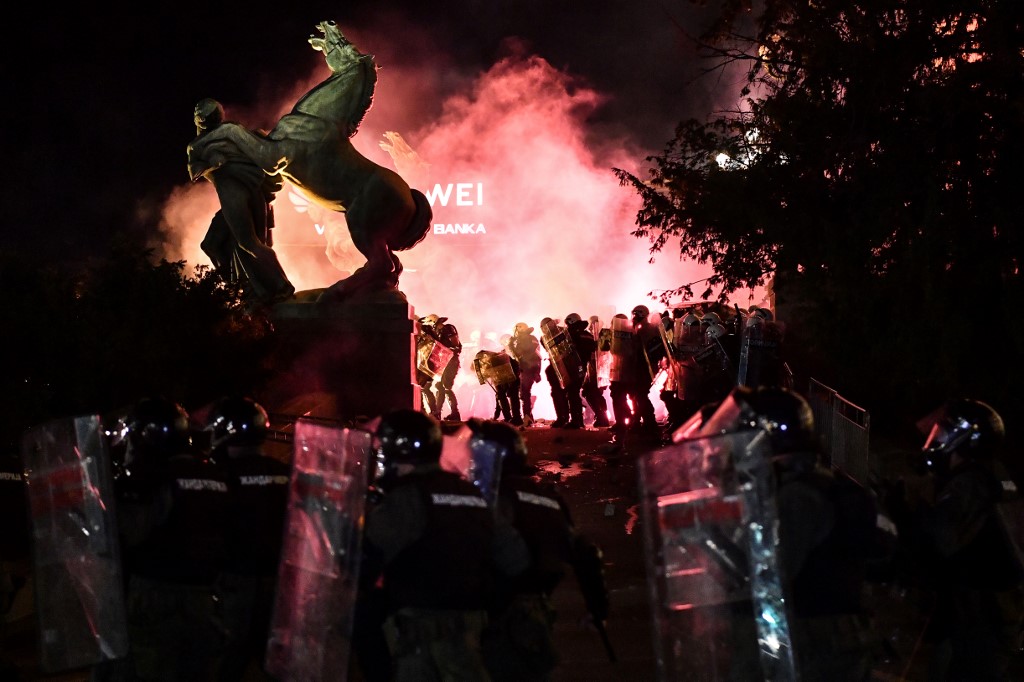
[(457, 194)]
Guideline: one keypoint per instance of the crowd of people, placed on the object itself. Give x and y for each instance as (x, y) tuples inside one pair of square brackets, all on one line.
[(602, 375), (456, 572)]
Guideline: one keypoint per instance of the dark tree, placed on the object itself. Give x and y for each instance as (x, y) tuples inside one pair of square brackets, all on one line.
[(868, 172), (96, 339)]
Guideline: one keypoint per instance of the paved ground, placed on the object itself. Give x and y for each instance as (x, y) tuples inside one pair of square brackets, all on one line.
[(599, 480)]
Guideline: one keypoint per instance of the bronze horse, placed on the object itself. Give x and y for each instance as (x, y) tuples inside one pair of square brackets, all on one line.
[(311, 148)]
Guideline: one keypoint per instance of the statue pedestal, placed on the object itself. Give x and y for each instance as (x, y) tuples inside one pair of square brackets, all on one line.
[(355, 358)]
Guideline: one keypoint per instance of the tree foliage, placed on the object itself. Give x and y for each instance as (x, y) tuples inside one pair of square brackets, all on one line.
[(868, 170), (97, 338)]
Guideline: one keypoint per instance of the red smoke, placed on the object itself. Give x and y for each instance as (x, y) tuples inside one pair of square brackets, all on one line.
[(556, 224)]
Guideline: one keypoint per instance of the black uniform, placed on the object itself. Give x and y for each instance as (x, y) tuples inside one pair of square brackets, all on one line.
[(172, 524), (828, 534), (978, 578), (449, 336), (437, 546), (586, 347), (519, 644), (15, 559), (525, 348), (258, 490)]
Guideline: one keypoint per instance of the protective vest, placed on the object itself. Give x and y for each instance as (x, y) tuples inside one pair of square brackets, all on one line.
[(541, 516), (449, 565), (831, 578), (187, 510), (989, 559), (258, 488)]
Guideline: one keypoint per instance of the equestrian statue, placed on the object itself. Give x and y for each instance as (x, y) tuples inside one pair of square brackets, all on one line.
[(310, 147)]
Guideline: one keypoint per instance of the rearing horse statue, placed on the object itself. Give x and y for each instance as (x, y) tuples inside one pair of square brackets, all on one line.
[(311, 148)]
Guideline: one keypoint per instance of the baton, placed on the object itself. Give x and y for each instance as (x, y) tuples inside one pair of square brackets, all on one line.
[(612, 658)]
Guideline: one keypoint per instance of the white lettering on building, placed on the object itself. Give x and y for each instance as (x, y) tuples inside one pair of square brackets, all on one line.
[(459, 228), (463, 194)]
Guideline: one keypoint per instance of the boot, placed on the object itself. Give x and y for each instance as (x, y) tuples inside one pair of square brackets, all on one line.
[(454, 415), (516, 404), (601, 421)]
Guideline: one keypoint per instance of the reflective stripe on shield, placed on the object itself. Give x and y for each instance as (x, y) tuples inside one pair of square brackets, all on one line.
[(311, 629), (79, 589), (710, 535)]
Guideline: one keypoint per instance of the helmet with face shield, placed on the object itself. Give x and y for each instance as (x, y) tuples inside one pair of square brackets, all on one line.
[(782, 414), (970, 428), (407, 437), (237, 421)]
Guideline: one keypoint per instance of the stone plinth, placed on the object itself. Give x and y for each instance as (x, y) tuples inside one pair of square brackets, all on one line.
[(342, 360)]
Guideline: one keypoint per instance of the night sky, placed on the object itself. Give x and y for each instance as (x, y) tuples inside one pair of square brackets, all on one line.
[(99, 102)]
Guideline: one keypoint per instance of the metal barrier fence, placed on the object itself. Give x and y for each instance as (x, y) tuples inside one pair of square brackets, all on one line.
[(844, 430)]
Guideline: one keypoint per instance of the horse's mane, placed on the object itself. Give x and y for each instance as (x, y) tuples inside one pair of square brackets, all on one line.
[(343, 99)]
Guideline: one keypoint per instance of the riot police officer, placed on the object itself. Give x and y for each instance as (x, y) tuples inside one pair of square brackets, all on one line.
[(525, 347), (586, 348), (258, 497), (641, 379), (559, 396), (969, 546), (433, 541), (448, 335), (171, 515), (828, 534), (518, 643)]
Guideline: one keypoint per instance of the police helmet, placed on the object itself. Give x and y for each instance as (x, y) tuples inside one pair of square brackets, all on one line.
[(782, 414), (714, 331), (237, 420), (574, 320), (711, 317), (642, 312), (507, 438), (969, 427), (523, 328), (691, 320), (431, 320), (407, 436), (156, 426)]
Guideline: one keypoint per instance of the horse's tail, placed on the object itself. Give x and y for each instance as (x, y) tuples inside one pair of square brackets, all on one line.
[(418, 227)]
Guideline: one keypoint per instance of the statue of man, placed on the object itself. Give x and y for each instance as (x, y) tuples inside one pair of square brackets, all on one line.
[(238, 241)]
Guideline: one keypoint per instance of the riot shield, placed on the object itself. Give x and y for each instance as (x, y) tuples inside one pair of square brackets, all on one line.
[(621, 349), (494, 368), (710, 535), (317, 581), (475, 459), (758, 351), (564, 358), (80, 608), (432, 356)]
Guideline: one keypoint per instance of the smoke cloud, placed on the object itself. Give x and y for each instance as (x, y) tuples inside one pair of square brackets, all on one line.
[(529, 220)]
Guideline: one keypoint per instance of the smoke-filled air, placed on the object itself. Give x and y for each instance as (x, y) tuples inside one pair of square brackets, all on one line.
[(529, 219)]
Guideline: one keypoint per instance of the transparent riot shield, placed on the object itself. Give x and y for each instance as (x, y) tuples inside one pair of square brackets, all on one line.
[(562, 354), (710, 535), (494, 368), (621, 349), (79, 591), (432, 356), (475, 459), (317, 581)]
